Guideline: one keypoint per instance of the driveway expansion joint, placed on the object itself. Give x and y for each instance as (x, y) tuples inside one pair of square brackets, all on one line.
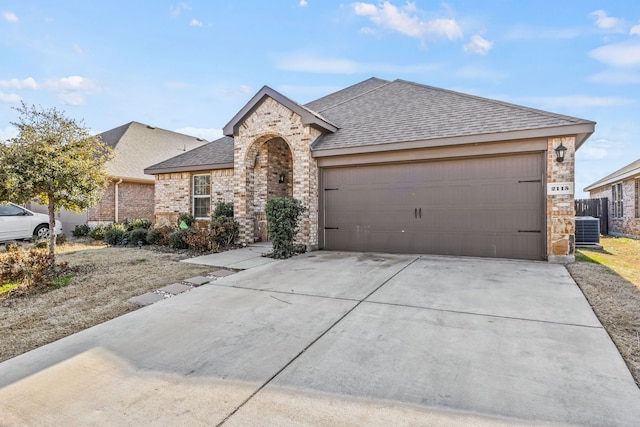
[(304, 350), (497, 316)]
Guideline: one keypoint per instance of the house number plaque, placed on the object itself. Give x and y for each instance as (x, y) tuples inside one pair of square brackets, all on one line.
[(555, 188)]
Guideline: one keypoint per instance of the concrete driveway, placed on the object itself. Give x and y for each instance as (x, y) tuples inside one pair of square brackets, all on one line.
[(331, 338)]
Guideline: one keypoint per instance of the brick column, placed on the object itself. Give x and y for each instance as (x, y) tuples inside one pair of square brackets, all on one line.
[(561, 208)]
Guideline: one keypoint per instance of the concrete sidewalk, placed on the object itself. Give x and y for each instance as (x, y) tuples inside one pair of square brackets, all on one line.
[(332, 338), (237, 259)]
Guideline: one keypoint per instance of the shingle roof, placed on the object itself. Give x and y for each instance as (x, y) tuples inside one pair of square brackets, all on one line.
[(138, 145), (631, 170), (380, 112), (213, 155), (375, 113)]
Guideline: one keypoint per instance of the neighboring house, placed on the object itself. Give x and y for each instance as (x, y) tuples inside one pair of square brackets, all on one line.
[(130, 193), (621, 190), (390, 166)]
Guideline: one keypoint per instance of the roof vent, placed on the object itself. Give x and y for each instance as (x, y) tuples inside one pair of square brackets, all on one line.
[(150, 127), (199, 139)]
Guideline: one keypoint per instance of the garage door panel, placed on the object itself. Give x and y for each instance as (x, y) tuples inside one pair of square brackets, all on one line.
[(476, 207)]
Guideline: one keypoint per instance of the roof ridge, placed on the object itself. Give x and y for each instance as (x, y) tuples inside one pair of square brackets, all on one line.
[(503, 103), (386, 82)]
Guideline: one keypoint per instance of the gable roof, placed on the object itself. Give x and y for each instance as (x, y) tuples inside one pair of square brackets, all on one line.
[(138, 145), (216, 154), (374, 114), (630, 171), (308, 116)]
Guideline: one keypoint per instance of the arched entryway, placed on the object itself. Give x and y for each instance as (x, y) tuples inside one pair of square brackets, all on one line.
[(269, 174)]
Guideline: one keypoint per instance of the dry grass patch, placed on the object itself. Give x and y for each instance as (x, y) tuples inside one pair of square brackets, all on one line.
[(610, 279), (104, 279)]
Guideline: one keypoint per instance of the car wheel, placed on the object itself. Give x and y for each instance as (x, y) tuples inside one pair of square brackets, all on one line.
[(41, 232)]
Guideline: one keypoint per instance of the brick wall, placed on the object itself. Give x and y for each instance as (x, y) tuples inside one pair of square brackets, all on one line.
[(135, 201), (629, 224), (561, 208), (270, 123), (173, 193)]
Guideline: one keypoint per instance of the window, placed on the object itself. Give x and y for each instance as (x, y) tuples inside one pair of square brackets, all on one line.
[(637, 198), (201, 196), (617, 200)]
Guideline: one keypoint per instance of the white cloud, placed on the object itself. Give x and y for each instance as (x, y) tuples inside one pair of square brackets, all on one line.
[(616, 77), (72, 83), (178, 9), (9, 16), (635, 30), (303, 3), (305, 62), (9, 98), (195, 23), (406, 21), (478, 45), (608, 23), (28, 83), (78, 49), (209, 134), (579, 101), (625, 54)]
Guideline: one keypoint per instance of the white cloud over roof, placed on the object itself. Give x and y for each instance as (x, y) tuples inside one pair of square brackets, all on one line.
[(406, 21), (9, 16), (479, 45)]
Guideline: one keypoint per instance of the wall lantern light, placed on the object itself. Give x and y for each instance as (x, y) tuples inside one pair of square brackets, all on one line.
[(281, 178), (560, 151)]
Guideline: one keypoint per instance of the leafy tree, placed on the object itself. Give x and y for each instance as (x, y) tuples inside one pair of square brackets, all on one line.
[(55, 160)]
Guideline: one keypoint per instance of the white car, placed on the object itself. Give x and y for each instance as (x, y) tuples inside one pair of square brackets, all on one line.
[(18, 223)]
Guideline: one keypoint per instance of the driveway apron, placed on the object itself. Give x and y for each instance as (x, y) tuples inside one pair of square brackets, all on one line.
[(339, 338)]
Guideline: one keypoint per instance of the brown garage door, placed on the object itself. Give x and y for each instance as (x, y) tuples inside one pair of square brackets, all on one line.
[(490, 207)]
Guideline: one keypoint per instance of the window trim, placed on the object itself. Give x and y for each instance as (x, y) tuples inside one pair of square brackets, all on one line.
[(617, 200), (200, 196)]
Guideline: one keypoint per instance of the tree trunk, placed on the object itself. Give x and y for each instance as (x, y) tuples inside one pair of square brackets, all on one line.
[(52, 227)]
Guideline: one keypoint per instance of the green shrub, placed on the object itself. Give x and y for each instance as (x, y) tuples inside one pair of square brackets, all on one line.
[(81, 230), (61, 239), (138, 235), (97, 233), (187, 218), (223, 209), (153, 236), (282, 219), (115, 234), (177, 239), (144, 224), (224, 228)]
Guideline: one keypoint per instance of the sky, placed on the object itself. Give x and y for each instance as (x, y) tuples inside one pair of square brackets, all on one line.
[(191, 66)]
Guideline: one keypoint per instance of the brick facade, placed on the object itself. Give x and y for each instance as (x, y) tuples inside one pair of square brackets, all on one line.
[(629, 223), (260, 155), (135, 201), (561, 208), (173, 193)]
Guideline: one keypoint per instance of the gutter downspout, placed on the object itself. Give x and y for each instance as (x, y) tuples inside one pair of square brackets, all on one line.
[(116, 198)]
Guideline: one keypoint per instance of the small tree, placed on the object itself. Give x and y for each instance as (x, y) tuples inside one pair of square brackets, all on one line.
[(55, 160), (282, 219)]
